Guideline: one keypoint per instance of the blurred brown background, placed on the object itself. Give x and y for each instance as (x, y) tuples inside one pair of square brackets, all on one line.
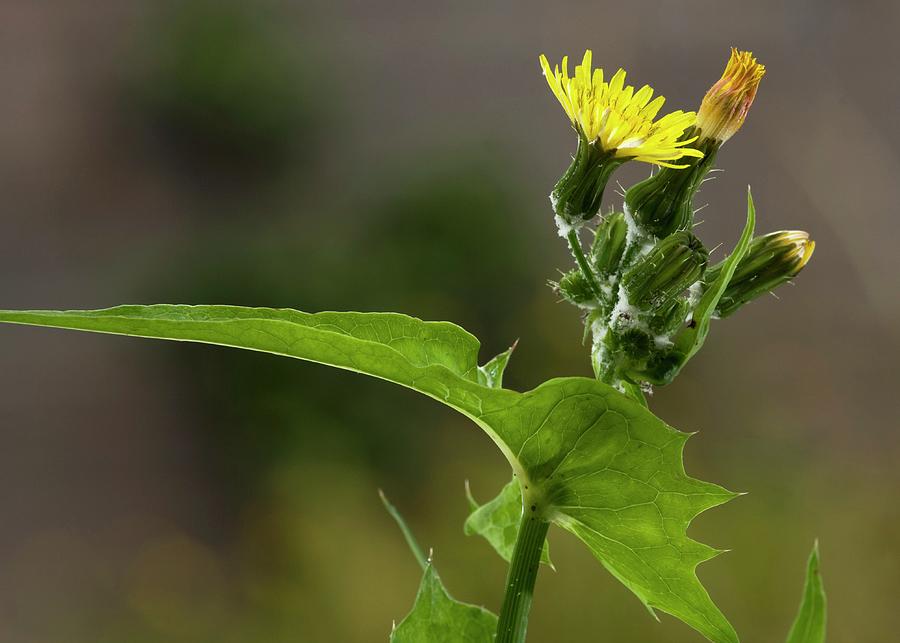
[(398, 156)]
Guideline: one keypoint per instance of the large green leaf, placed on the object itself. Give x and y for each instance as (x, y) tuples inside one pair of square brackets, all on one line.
[(438, 618), (809, 626), (588, 458)]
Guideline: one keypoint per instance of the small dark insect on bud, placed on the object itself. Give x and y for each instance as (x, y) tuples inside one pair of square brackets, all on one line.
[(771, 260), (609, 244), (663, 274)]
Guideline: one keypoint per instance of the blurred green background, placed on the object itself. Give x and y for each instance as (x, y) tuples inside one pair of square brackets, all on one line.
[(398, 156)]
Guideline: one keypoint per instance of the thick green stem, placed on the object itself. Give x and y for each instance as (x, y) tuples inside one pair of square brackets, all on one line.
[(523, 569), (578, 253)]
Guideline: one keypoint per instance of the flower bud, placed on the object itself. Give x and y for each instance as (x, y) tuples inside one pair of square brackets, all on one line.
[(663, 203), (609, 244), (669, 317), (578, 195), (660, 369), (575, 289), (771, 260), (726, 104), (663, 274)]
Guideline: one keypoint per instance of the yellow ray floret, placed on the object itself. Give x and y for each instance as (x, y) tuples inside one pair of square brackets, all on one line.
[(726, 104), (617, 117), (803, 247)]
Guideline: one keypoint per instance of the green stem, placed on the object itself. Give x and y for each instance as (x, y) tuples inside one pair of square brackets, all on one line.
[(523, 569), (578, 253)]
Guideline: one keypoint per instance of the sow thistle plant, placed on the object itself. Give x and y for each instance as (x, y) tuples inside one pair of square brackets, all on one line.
[(586, 454)]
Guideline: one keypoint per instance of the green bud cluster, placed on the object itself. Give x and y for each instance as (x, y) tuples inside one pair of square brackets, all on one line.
[(646, 274), (652, 287)]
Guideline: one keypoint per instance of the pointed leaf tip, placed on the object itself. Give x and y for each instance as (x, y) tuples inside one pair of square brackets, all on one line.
[(473, 504), (411, 541), (491, 374), (811, 621)]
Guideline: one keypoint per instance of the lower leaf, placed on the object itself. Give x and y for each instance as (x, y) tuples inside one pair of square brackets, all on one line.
[(438, 618)]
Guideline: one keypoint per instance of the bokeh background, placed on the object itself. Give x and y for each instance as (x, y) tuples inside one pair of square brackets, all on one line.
[(397, 156)]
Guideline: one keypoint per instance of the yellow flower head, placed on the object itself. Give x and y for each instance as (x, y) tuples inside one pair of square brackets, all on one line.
[(619, 119), (726, 104)]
